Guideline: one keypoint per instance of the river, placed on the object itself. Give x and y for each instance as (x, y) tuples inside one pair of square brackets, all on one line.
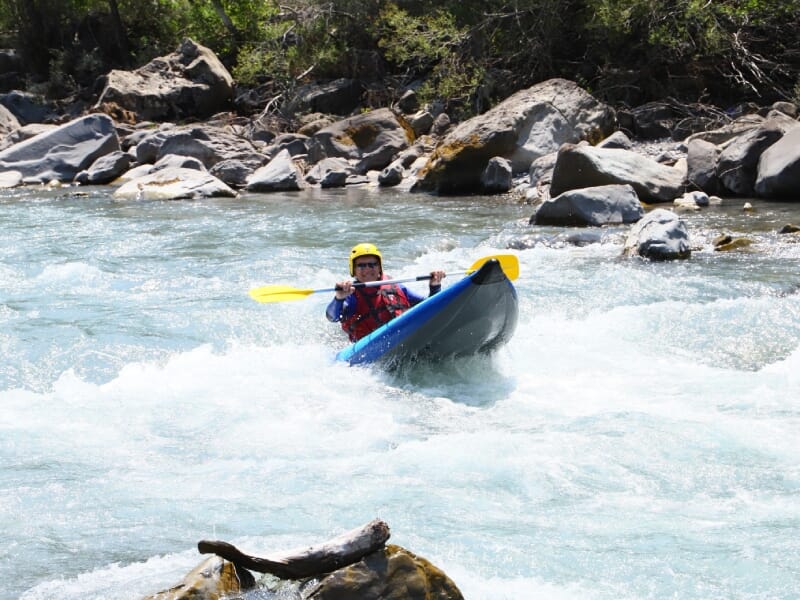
[(639, 437)]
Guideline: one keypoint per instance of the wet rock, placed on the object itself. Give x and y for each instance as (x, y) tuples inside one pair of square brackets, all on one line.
[(659, 235), (212, 579), (391, 574)]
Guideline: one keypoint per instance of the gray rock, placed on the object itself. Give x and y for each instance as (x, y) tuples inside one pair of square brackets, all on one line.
[(279, 174), (178, 160), (659, 235), (190, 82), (779, 168), (701, 165), (586, 166), (529, 124), (373, 139), (329, 173), (392, 175), (63, 152), (594, 206), (173, 183), (497, 177), (737, 165), (105, 169)]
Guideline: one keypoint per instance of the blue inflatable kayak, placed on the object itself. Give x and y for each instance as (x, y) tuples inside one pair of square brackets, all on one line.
[(475, 315)]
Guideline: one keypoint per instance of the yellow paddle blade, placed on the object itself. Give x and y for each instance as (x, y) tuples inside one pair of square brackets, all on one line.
[(508, 262), (278, 293)]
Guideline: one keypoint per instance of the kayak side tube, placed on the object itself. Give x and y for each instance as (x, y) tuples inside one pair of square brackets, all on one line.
[(475, 315)]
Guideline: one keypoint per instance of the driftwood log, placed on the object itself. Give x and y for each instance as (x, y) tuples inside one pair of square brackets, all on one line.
[(343, 550)]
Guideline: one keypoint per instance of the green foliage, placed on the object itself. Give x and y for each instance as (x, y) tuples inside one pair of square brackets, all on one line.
[(466, 53), (429, 46)]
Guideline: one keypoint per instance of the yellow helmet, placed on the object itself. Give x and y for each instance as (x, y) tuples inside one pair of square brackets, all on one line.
[(364, 250)]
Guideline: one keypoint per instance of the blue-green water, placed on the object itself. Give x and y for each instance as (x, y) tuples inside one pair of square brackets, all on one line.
[(638, 438)]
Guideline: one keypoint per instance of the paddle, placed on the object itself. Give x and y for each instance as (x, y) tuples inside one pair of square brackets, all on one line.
[(286, 293)]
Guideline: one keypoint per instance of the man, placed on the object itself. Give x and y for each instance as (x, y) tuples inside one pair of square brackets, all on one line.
[(361, 310)]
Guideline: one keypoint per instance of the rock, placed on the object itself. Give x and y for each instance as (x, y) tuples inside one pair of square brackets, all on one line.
[(392, 175), (779, 168), (692, 200), (329, 173), (338, 97), (373, 139), (594, 206), (441, 124), (63, 152), (28, 108), (496, 177), (737, 164), (586, 166), (233, 172), (421, 122), (727, 243), (190, 82), (659, 235), (10, 179), (208, 143), (178, 160), (279, 174), (390, 574), (212, 579), (529, 124), (8, 122), (295, 143), (616, 140), (105, 169), (25, 132), (408, 102), (701, 166), (173, 183)]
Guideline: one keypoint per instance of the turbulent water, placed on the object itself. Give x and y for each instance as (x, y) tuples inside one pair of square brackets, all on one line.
[(639, 437)]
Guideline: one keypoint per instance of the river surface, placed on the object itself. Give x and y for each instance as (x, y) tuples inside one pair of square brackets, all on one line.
[(639, 437)]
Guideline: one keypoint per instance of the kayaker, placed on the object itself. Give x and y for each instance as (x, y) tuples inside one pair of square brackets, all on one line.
[(361, 310)]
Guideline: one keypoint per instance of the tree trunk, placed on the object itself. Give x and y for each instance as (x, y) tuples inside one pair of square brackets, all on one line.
[(346, 549), (119, 32)]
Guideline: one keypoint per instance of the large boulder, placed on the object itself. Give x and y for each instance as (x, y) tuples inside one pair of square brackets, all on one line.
[(391, 574), (595, 206), (527, 125), (701, 165), (779, 168), (208, 143), (190, 82), (372, 139), (63, 152), (580, 166), (173, 183), (737, 164), (659, 235)]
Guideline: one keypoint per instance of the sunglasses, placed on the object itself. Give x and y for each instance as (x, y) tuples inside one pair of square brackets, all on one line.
[(366, 265)]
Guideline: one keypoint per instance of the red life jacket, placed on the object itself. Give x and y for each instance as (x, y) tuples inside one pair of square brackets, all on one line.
[(374, 307)]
